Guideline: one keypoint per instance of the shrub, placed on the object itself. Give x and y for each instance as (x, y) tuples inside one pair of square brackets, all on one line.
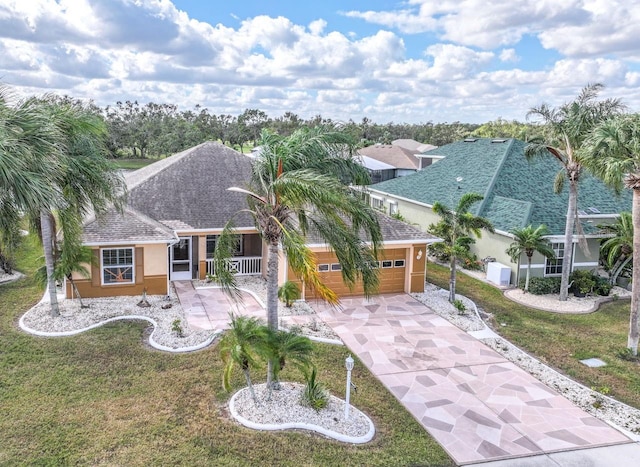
[(288, 293), (314, 394), (459, 305), (542, 285), (472, 263), (583, 281), (176, 326), (603, 286)]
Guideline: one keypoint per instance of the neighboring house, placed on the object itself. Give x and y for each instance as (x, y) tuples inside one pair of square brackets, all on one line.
[(175, 210), (516, 193), (404, 161), (379, 171), (413, 145)]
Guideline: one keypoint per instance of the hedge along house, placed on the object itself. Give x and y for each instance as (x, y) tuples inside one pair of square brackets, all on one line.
[(516, 193), (175, 210)]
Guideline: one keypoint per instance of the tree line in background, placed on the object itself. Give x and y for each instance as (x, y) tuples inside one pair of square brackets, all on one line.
[(156, 130)]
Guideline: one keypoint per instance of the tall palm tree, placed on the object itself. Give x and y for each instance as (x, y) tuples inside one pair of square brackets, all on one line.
[(28, 142), (613, 154), (299, 188), (567, 127), (84, 178), (457, 225), (618, 248), (528, 241), (242, 345)]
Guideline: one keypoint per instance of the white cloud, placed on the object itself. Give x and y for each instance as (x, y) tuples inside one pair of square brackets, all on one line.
[(509, 55)]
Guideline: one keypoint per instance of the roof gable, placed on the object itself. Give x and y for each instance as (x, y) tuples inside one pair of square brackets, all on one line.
[(189, 189), (397, 156)]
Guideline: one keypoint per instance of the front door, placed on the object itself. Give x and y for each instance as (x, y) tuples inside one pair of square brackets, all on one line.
[(181, 260)]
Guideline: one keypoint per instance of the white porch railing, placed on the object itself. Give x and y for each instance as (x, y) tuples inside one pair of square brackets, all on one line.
[(240, 265)]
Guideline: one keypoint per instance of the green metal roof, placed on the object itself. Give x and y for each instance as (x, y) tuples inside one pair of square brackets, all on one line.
[(516, 192)]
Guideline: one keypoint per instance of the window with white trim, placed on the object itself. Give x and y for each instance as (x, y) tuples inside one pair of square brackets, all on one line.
[(336, 267), (387, 263), (399, 263), (211, 246), (377, 203), (393, 208), (553, 267), (323, 267), (117, 266)]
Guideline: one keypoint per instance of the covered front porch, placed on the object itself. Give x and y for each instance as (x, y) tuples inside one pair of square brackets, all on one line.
[(191, 257)]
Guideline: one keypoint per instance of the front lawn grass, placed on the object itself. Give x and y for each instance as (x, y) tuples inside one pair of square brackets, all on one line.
[(560, 340), (103, 398)]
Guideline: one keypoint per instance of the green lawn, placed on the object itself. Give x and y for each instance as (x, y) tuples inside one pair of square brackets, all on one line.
[(103, 398), (133, 164), (558, 339)]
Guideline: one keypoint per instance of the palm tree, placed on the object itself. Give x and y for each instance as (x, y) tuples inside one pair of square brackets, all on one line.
[(299, 188), (243, 346), (613, 154), (289, 198), (85, 180), (28, 142), (454, 227), (618, 248), (528, 241), (283, 346), (567, 127)]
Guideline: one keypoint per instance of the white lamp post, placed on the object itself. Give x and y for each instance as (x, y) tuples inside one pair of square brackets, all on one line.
[(348, 363)]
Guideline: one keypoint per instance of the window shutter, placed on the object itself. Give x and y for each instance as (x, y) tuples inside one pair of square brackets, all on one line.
[(139, 265), (95, 269)]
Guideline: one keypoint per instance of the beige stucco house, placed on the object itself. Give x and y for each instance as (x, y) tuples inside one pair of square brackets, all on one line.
[(177, 207)]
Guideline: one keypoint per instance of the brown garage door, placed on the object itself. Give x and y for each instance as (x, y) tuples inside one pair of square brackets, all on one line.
[(393, 270)]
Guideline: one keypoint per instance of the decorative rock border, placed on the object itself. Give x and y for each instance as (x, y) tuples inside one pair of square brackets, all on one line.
[(292, 425), (152, 342)]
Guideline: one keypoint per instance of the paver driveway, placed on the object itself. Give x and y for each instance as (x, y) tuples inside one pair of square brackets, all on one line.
[(474, 402)]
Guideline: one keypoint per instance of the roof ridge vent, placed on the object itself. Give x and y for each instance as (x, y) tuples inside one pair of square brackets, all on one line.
[(499, 140), (470, 140)]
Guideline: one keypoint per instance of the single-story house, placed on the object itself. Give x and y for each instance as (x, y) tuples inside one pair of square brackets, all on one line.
[(419, 149), (404, 161), (177, 207), (516, 193)]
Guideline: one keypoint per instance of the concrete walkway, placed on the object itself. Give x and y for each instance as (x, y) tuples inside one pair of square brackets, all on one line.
[(209, 308), (476, 404)]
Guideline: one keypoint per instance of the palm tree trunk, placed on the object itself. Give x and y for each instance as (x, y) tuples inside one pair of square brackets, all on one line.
[(250, 386), (452, 279), (568, 241), (47, 245), (526, 281), (272, 299), (632, 341)]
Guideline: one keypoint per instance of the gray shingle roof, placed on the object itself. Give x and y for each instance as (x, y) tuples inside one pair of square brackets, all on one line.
[(517, 192), (393, 230), (189, 190), (126, 227)]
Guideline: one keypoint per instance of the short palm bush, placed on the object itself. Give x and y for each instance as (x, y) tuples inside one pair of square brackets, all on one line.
[(314, 394)]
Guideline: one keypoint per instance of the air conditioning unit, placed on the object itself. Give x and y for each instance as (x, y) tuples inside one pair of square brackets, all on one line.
[(498, 273)]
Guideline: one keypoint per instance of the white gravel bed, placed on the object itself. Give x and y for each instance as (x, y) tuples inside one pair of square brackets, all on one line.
[(4, 277), (595, 403), (74, 318), (573, 304), (285, 410), (437, 299)]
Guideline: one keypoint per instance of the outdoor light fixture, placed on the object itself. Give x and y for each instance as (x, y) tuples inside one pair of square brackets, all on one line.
[(419, 255), (348, 363)]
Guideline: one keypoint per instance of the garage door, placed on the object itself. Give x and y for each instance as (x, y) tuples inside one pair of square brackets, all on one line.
[(393, 270)]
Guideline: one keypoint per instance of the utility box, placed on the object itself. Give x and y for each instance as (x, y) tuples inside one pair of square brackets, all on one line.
[(498, 273)]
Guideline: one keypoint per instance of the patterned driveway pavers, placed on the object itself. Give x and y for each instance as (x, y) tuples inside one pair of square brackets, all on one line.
[(476, 404), (209, 308)]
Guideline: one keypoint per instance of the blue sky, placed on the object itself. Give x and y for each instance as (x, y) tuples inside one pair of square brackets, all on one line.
[(403, 61)]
